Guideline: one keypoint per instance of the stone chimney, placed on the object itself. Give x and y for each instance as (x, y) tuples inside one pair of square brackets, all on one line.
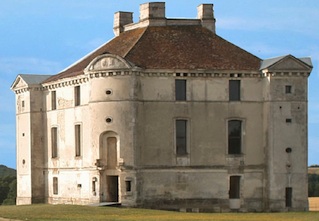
[(205, 13), (121, 19), (152, 10)]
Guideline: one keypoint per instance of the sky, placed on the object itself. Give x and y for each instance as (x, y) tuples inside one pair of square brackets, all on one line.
[(46, 36)]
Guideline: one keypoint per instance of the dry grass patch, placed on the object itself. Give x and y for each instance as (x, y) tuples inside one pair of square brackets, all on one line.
[(79, 213)]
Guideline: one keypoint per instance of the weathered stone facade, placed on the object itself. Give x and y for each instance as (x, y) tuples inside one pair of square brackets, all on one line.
[(166, 115)]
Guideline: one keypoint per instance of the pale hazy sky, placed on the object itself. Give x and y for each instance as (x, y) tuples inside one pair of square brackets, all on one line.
[(45, 36)]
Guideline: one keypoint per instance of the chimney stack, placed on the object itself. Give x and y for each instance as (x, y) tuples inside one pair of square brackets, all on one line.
[(152, 10), (121, 19), (205, 13)]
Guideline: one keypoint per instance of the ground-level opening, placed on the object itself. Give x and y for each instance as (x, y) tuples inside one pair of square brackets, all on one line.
[(112, 189)]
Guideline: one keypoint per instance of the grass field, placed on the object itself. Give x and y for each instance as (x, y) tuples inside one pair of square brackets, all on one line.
[(70, 212)]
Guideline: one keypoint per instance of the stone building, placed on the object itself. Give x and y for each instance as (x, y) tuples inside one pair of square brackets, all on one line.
[(166, 115)]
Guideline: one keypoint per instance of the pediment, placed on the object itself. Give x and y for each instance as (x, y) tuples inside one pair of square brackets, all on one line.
[(107, 62), (290, 63), (19, 83)]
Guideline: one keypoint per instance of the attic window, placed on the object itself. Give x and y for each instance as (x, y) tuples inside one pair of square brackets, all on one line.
[(77, 96), (180, 90), (53, 100), (288, 89)]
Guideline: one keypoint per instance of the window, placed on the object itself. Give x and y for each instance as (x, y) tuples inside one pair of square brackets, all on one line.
[(180, 90), (77, 96), (54, 142), (94, 180), (234, 187), (288, 89), (53, 100), (55, 186), (128, 185), (234, 137), (22, 103), (288, 120), (234, 90), (181, 137), (77, 140), (288, 197)]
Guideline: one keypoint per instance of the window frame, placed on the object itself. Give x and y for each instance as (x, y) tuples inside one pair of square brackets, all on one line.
[(180, 89), (231, 150), (185, 136), (288, 89), (53, 100), (234, 89), (288, 197), (54, 142), (55, 185), (234, 187), (77, 96), (78, 140)]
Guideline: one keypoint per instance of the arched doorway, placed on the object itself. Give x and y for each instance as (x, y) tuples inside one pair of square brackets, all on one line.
[(109, 155)]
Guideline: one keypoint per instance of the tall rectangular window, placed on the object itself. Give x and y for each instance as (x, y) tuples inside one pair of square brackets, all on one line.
[(234, 136), (53, 100), (288, 197), (180, 90), (55, 186), (54, 142), (234, 90), (181, 137), (234, 187), (77, 140), (77, 96)]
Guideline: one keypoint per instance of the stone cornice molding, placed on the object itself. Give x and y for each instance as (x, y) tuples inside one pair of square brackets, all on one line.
[(288, 73), (66, 82)]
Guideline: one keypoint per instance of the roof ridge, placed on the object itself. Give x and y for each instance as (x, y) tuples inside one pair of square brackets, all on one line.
[(137, 40)]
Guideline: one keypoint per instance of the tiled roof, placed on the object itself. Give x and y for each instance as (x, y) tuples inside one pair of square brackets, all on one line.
[(271, 61), (171, 47), (34, 78)]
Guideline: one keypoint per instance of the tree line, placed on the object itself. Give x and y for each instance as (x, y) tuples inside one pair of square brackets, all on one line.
[(8, 190)]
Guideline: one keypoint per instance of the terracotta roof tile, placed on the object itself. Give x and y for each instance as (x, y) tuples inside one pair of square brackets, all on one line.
[(171, 47)]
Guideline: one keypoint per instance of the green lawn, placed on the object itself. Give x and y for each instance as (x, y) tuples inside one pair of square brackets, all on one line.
[(71, 212)]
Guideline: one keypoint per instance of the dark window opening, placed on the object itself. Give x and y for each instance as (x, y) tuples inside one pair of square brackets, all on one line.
[(288, 120), (180, 90), (234, 137), (288, 89), (128, 185), (54, 142), (234, 187), (77, 140), (181, 137), (234, 90), (288, 150), (77, 96), (53, 100), (55, 186), (288, 197)]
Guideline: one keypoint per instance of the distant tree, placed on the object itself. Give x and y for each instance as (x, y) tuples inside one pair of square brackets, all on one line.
[(7, 188), (313, 185), (12, 194)]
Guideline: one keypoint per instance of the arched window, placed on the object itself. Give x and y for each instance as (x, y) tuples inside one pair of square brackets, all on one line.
[(234, 136)]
